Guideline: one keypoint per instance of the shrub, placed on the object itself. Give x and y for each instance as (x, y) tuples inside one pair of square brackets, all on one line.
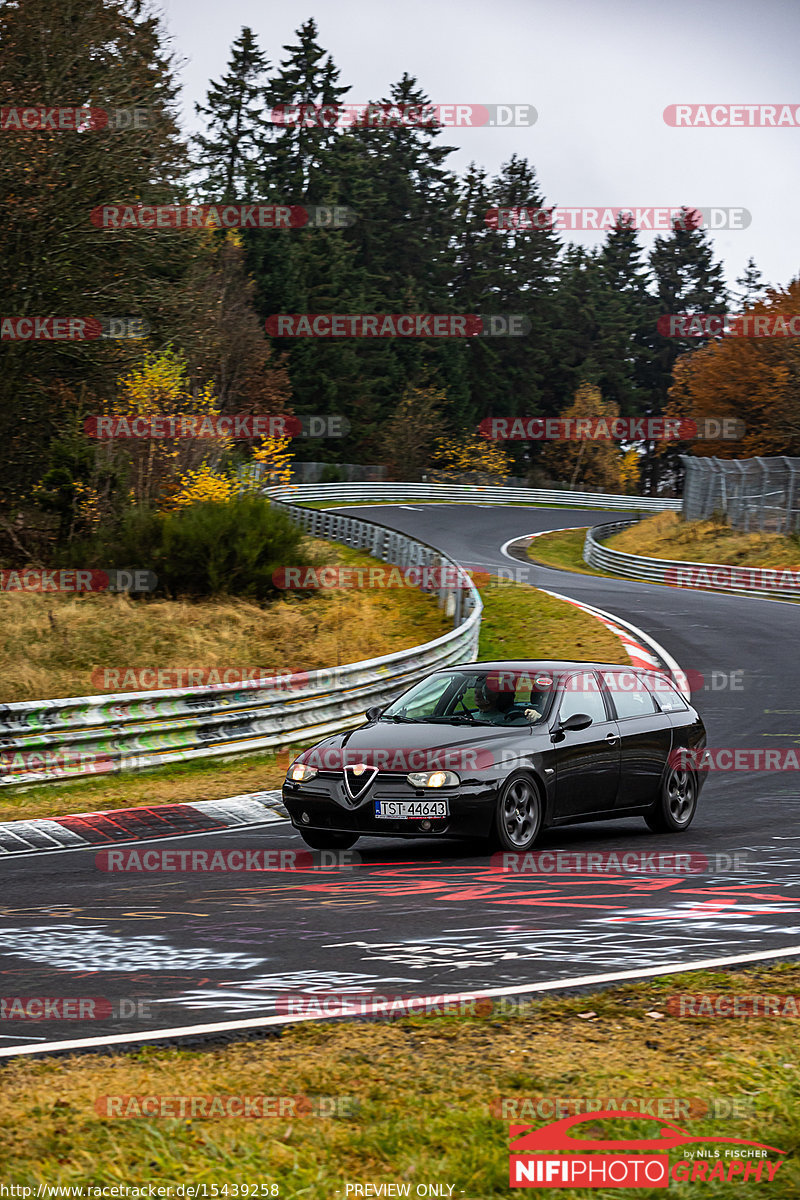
[(331, 473), (210, 549), (230, 549)]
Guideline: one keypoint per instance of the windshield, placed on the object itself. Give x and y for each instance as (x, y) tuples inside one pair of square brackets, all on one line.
[(479, 697)]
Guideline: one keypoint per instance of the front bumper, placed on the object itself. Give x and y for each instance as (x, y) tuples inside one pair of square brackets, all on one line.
[(327, 806)]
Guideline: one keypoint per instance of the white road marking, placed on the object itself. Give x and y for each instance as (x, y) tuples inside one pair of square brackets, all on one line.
[(549, 985)]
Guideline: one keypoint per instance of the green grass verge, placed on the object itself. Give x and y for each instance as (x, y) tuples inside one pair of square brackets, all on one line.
[(417, 1097), (520, 622)]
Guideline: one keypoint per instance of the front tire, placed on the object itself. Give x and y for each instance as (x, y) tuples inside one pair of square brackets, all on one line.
[(677, 804), (519, 814), (324, 839)]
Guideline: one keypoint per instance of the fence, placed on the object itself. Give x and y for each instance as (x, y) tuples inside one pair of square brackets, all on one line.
[(753, 493)]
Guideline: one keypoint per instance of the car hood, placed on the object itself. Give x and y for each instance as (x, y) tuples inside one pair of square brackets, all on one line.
[(400, 747)]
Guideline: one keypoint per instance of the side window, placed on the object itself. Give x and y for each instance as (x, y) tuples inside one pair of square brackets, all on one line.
[(631, 698), (667, 695), (582, 695)]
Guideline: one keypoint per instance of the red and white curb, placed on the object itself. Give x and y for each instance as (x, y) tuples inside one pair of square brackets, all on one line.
[(643, 651), (116, 827)]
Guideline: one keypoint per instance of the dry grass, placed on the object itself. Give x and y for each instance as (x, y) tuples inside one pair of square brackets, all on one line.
[(667, 535), (563, 549), (53, 646)]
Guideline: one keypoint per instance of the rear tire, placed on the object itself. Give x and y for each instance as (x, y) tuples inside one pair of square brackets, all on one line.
[(677, 804), (519, 814), (324, 839)]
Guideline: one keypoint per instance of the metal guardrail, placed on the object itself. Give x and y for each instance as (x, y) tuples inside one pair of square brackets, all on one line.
[(704, 576), (56, 740), (453, 493)]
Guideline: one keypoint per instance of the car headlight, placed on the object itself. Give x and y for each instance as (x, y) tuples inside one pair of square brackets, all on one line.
[(433, 779), (301, 772)]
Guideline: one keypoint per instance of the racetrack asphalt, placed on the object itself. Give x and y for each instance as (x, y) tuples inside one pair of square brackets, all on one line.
[(150, 952)]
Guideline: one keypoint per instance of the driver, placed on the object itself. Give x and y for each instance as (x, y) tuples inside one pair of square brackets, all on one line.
[(493, 705)]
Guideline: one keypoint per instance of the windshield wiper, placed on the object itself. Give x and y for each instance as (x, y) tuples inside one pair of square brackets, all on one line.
[(404, 720), (460, 719)]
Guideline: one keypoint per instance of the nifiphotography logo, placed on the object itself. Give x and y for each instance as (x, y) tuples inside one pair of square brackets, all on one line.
[(584, 1159)]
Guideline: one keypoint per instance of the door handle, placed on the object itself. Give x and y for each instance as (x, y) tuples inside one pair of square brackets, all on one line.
[(611, 738)]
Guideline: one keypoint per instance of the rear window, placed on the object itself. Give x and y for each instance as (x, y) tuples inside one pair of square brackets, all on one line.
[(631, 697), (668, 698)]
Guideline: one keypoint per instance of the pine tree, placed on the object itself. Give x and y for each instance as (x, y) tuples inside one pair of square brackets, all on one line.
[(234, 112), (687, 280), (396, 179), (295, 155), (520, 376), (751, 287), (626, 314)]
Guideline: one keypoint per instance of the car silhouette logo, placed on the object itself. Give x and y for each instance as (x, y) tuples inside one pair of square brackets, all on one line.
[(357, 779), (559, 1136)]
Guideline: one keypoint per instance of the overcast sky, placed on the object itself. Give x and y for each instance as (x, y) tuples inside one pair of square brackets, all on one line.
[(599, 73)]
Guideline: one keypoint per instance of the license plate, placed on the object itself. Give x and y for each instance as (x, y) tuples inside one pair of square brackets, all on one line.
[(411, 809)]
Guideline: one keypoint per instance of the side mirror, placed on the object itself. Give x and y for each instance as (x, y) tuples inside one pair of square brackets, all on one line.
[(372, 714), (572, 724)]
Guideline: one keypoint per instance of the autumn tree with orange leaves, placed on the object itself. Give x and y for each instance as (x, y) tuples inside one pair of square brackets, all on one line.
[(754, 379)]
